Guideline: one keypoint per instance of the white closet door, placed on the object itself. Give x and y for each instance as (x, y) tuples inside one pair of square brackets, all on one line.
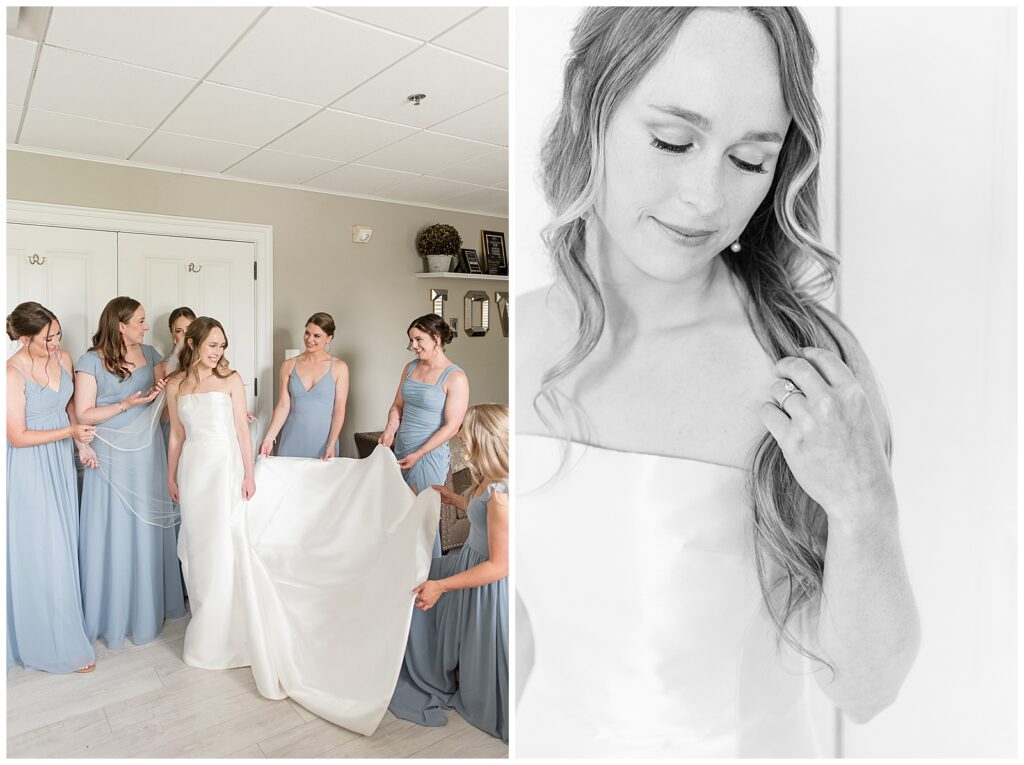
[(71, 271), (211, 276)]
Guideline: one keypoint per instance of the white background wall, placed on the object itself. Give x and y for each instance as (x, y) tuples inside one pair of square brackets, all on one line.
[(928, 242), (919, 199)]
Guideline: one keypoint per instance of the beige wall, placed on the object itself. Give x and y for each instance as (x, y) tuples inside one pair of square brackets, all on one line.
[(369, 289)]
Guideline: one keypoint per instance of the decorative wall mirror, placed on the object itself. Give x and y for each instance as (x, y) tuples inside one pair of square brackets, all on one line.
[(478, 307), (437, 301), (501, 300)]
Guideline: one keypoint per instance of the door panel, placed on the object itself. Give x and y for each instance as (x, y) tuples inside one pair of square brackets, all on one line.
[(71, 271), (211, 276)]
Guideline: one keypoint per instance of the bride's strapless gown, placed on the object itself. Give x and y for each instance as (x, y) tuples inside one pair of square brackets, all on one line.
[(308, 582), (650, 637)]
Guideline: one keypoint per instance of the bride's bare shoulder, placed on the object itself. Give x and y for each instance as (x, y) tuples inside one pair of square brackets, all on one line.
[(545, 323)]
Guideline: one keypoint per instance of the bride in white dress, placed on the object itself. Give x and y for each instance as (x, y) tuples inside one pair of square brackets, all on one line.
[(306, 581), (206, 402)]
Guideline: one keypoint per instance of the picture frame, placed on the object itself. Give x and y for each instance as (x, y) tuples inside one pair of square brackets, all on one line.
[(495, 252), (469, 262)]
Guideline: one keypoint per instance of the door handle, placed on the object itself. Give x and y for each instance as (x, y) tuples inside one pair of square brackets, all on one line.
[(36, 260)]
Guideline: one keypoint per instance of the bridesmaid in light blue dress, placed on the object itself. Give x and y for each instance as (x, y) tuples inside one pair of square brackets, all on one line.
[(311, 403), (129, 568), (428, 408), (177, 323), (463, 617), (45, 627)]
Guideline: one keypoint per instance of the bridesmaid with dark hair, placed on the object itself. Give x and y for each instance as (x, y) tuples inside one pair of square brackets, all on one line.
[(45, 626), (311, 403), (129, 564), (431, 401), (177, 323)]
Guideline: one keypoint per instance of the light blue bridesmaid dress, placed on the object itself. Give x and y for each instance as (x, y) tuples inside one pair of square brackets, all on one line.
[(45, 626), (129, 568), (309, 419), (422, 417), (467, 629)]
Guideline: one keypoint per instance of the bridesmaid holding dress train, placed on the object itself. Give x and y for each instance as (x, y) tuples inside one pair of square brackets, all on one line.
[(45, 626), (129, 565), (428, 408), (311, 403), (463, 618)]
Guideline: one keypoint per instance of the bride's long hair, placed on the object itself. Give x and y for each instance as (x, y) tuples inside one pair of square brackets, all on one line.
[(783, 266), (195, 336), (485, 433)]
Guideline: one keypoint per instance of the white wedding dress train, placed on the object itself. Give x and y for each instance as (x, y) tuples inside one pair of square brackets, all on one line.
[(316, 595)]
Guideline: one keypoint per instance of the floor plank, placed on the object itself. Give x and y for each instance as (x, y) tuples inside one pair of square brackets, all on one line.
[(143, 701)]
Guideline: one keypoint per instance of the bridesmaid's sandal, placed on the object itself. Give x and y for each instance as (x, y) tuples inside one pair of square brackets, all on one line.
[(86, 669)]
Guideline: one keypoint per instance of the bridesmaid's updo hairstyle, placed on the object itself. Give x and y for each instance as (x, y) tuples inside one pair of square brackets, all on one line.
[(177, 313), (434, 326), (28, 320), (195, 336), (323, 320), (485, 433), (108, 341)]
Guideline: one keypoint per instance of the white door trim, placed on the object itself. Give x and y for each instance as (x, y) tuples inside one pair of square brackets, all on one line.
[(260, 235)]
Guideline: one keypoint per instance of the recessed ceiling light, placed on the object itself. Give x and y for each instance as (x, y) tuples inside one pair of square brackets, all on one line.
[(416, 98)]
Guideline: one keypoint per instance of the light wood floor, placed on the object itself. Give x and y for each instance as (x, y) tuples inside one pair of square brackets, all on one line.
[(142, 701)]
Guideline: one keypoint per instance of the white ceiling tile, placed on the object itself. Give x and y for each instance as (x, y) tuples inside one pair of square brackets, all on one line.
[(491, 201), (422, 23), (487, 122), (426, 152), (484, 36), (309, 55), (341, 136), (452, 83), (189, 152), (236, 116), (181, 40), (50, 130), (278, 167), (427, 190), (77, 83), (360, 179), (13, 118), (21, 54), (488, 170)]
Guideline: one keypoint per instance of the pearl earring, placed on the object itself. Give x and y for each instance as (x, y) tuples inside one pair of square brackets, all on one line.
[(736, 246)]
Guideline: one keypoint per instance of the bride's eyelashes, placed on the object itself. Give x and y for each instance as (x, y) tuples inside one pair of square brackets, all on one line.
[(673, 148)]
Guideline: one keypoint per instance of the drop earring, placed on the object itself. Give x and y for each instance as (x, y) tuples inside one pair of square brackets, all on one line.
[(736, 246)]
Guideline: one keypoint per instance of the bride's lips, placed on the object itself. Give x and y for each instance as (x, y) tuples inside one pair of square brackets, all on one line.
[(688, 237)]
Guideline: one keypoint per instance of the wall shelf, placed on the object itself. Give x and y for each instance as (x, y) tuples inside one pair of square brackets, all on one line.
[(449, 275)]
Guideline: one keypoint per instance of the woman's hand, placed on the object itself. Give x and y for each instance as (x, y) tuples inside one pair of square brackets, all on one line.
[(448, 496), (387, 438), (83, 433), (410, 459), (87, 456), (829, 435), (427, 593), (329, 452), (138, 398), (172, 489), (250, 417), (248, 488), (266, 446)]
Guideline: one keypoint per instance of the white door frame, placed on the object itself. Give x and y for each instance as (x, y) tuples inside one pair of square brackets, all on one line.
[(260, 235)]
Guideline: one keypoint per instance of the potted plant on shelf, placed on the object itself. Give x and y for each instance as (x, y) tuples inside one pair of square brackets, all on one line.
[(439, 243)]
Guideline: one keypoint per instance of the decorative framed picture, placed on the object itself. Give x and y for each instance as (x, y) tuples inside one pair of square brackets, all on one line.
[(469, 262), (493, 243)]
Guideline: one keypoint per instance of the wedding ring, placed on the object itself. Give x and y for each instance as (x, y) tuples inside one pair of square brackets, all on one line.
[(790, 388)]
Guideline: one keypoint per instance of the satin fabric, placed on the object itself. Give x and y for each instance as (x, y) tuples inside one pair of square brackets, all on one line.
[(650, 636), (324, 557)]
